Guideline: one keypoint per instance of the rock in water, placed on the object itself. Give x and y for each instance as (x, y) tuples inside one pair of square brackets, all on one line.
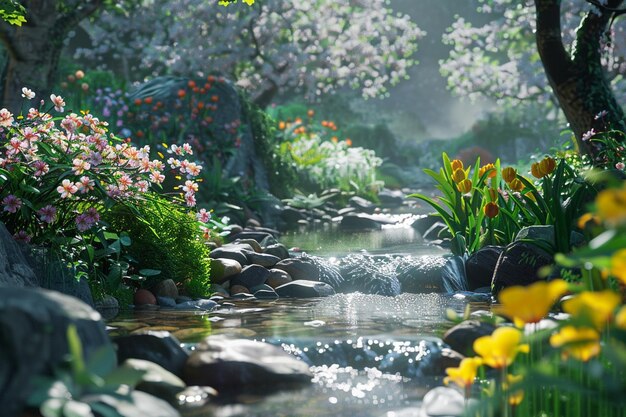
[(312, 268), (33, 325), (237, 364), (420, 274)]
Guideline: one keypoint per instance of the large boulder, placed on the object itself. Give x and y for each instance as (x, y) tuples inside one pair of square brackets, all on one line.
[(240, 365), (462, 336), (519, 264), (480, 265), (250, 276), (33, 325), (14, 267), (159, 347), (421, 274)]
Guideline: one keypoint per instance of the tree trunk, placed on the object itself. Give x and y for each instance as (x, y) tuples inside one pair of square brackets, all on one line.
[(578, 80)]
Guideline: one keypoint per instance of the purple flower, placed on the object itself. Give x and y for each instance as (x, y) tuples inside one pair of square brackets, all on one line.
[(588, 135), (11, 203)]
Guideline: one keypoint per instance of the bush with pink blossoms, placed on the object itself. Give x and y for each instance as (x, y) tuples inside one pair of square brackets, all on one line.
[(59, 176)]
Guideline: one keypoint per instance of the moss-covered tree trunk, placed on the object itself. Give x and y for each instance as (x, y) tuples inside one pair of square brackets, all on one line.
[(578, 78), (34, 49)]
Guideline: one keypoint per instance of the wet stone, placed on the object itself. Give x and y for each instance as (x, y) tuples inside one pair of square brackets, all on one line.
[(165, 288), (305, 289), (264, 259), (229, 253), (362, 204), (201, 304), (359, 222), (222, 269), (143, 297), (237, 289), (255, 235), (156, 380), (277, 278), (265, 294), (242, 296), (159, 347), (462, 336), (250, 276), (256, 246), (278, 250), (166, 301)]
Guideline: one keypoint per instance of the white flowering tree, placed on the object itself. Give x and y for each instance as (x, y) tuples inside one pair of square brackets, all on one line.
[(568, 53), (268, 47)]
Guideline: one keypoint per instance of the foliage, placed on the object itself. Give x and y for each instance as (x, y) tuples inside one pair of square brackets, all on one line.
[(490, 205), (61, 177), (324, 161), (12, 12), (70, 392), (166, 240), (270, 46), (500, 60)]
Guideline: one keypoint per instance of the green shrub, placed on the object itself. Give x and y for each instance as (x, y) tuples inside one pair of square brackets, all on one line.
[(166, 239)]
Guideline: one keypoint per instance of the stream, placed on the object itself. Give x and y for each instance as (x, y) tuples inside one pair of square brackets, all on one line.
[(371, 355)]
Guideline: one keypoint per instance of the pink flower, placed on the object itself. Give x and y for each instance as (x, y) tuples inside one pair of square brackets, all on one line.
[(58, 102), (190, 187), (80, 166), (190, 199), (67, 188), (620, 166), (22, 236), (187, 149), (28, 93), (157, 177), (124, 182), (203, 215), (11, 203), (47, 214), (85, 184), (41, 168), (142, 186), (588, 135), (6, 118), (193, 169)]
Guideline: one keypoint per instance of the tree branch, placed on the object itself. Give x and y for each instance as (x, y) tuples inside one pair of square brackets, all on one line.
[(554, 57)]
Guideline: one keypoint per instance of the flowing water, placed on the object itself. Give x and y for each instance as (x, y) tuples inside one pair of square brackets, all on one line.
[(371, 355)]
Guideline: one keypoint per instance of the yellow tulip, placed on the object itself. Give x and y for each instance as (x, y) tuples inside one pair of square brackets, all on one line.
[(464, 186), (516, 185), (490, 168), (620, 318), (456, 164), (499, 349), (611, 205), (580, 343), (543, 168), (515, 397), (458, 175), (491, 210), (530, 304), (595, 306), (618, 265), (509, 174), (464, 375)]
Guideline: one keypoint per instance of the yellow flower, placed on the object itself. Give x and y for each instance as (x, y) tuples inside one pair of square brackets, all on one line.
[(464, 186), (458, 175), (456, 164), (491, 168), (620, 318), (509, 174), (515, 397), (611, 205), (580, 343), (595, 306), (618, 265), (491, 210), (516, 185), (499, 349), (464, 375), (588, 219), (530, 304)]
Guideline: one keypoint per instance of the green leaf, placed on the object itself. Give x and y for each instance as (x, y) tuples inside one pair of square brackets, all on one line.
[(125, 239), (149, 272), (102, 361)]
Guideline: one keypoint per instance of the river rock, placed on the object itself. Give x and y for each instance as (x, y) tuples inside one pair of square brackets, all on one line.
[(369, 275), (519, 264), (391, 198), (299, 268), (137, 404), (362, 204), (253, 234), (238, 365), (233, 253), (159, 347), (250, 276), (156, 380), (33, 325), (264, 259), (546, 233), (435, 231), (443, 401), (291, 216), (453, 275), (359, 222), (277, 278), (480, 265), (256, 246), (167, 302), (305, 289), (222, 269), (277, 249), (165, 288), (346, 210), (238, 289), (107, 306), (423, 223), (461, 337), (14, 267), (194, 397), (265, 294), (144, 297), (421, 274)]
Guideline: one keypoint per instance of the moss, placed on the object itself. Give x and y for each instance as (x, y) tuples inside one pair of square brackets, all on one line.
[(165, 238)]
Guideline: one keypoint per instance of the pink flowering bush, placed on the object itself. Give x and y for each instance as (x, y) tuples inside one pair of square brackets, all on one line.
[(61, 175)]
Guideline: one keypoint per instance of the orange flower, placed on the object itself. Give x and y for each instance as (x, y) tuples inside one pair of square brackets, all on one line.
[(334, 139), (493, 195), (147, 100), (324, 123), (191, 84), (210, 79), (490, 169), (348, 141), (282, 125), (310, 113), (464, 186), (516, 185), (458, 175), (298, 120), (181, 93), (138, 102), (491, 210), (215, 98), (543, 168), (456, 164), (509, 174)]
